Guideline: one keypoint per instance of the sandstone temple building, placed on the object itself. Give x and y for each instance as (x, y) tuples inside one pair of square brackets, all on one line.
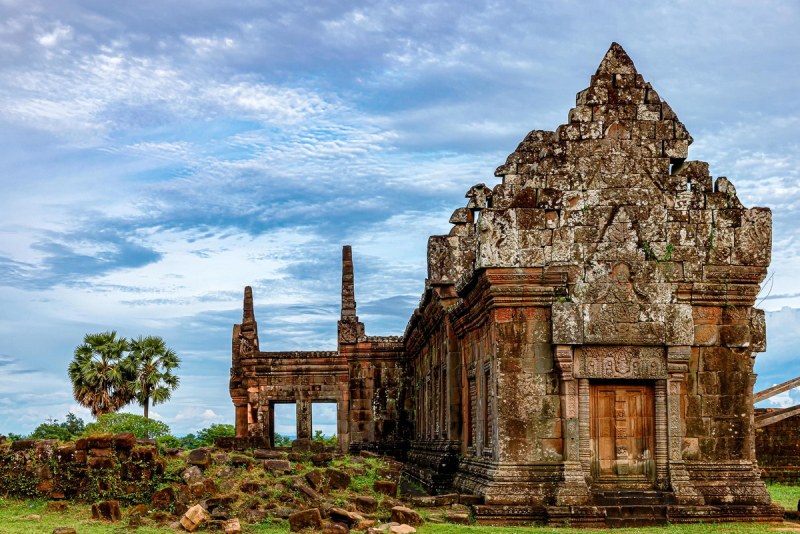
[(585, 340)]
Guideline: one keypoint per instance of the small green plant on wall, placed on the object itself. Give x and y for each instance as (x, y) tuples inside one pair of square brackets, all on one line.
[(651, 255)]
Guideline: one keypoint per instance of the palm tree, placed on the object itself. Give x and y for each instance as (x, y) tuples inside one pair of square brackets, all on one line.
[(153, 362), (101, 379)]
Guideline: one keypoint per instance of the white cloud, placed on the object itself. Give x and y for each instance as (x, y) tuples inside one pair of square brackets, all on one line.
[(53, 37)]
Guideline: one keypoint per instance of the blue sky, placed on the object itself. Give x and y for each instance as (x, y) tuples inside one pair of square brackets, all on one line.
[(156, 157)]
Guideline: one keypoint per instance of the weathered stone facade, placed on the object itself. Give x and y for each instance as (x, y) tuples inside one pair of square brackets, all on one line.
[(586, 336), (365, 378)]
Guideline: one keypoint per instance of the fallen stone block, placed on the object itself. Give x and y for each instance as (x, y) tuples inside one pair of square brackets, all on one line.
[(240, 460), (163, 498), (232, 526), (268, 454), (340, 515), (386, 487), (316, 478), (337, 479), (321, 459), (301, 445), (403, 514), (57, 506), (366, 504), (194, 517), (192, 475), (199, 457), (458, 518), (278, 466), (310, 518), (107, 511)]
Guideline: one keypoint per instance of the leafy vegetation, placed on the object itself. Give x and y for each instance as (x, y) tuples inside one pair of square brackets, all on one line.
[(207, 436), (127, 422), (328, 441), (282, 441), (72, 427)]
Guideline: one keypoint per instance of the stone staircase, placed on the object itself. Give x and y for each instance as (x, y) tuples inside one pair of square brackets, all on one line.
[(633, 508)]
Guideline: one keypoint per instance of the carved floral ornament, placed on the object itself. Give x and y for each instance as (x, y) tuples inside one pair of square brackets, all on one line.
[(620, 362)]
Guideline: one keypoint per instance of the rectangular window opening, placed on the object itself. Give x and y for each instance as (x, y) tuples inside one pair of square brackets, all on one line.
[(284, 428), (324, 415)]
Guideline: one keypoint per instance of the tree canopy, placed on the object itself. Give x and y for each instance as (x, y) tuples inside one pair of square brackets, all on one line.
[(101, 380), (108, 372), (153, 362)]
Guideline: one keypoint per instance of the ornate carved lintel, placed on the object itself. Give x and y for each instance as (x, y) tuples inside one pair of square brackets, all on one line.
[(620, 362)]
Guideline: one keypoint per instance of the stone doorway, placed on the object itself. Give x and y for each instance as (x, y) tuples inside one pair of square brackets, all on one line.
[(622, 433)]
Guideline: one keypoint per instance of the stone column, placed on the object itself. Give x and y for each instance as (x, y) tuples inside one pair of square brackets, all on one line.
[(574, 489), (303, 408), (677, 367), (240, 410), (266, 420)]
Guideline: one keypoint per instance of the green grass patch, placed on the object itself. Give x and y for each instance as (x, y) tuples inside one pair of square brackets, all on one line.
[(705, 528), (786, 496), (13, 519)]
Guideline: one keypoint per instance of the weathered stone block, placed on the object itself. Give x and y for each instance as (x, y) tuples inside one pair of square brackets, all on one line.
[(194, 517), (405, 515), (366, 504), (305, 519), (387, 487), (278, 466), (337, 479), (107, 511), (199, 457)]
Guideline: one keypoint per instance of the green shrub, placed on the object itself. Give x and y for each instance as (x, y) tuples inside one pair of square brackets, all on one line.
[(127, 422), (72, 427), (169, 442), (190, 441), (207, 436), (329, 441), (282, 441)]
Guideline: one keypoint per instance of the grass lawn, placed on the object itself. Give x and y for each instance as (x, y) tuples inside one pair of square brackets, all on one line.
[(13, 520), (786, 496)]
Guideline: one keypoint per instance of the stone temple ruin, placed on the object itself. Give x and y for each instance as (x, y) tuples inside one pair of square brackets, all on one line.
[(584, 347)]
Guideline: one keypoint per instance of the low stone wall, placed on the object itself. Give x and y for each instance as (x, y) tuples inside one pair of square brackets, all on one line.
[(99, 467), (778, 450)]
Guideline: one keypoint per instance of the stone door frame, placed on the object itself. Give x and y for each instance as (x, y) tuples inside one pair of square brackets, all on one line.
[(663, 366)]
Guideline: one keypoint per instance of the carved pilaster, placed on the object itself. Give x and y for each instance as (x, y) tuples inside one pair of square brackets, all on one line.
[(678, 365), (574, 489), (584, 427), (662, 455)]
